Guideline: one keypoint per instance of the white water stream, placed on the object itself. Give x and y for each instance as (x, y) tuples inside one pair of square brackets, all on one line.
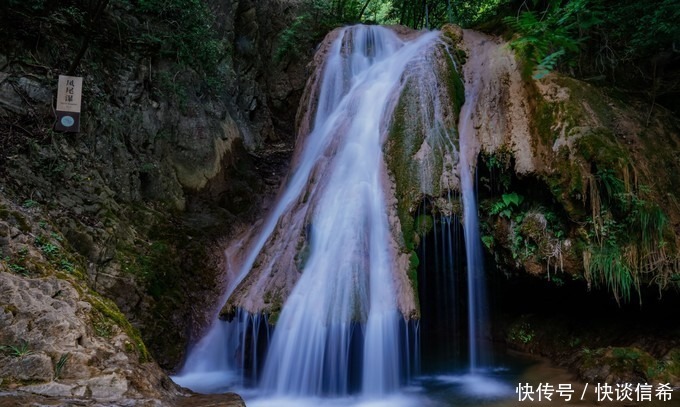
[(347, 282), (340, 331)]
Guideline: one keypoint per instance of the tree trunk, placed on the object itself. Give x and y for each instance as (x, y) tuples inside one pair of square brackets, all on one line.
[(94, 18), (363, 9)]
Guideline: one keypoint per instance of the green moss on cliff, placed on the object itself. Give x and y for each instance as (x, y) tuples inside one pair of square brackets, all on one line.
[(274, 304), (603, 183), (408, 137), (454, 83), (109, 310), (401, 147)]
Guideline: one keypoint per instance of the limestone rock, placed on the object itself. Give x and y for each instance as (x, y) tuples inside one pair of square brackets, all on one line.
[(29, 367), (52, 320), (212, 400), (141, 163), (10, 100), (34, 90)]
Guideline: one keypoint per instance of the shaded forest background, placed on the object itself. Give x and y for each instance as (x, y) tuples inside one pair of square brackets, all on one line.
[(628, 43)]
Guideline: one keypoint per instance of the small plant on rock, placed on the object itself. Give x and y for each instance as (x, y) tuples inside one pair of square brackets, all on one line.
[(59, 366), (17, 350), (522, 333)]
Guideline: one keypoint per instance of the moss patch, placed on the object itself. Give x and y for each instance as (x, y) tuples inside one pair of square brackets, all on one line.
[(610, 188), (274, 304), (407, 136), (109, 310)]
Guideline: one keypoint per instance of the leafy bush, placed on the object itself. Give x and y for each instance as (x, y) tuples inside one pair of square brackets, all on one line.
[(505, 206), (545, 37), (191, 38), (315, 18)]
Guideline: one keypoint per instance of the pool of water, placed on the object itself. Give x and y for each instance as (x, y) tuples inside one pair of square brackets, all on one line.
[(493, 387)]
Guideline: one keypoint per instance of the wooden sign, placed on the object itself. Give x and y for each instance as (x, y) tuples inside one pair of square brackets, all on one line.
[(68, 103)]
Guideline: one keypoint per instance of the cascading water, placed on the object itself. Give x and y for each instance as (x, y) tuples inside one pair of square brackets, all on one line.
[(477, 315), (477, 302), (343, 328), (341, 321), (347, 282)]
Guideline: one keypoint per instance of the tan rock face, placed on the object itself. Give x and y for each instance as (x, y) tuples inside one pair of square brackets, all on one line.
[(48, 336), (501, 115)]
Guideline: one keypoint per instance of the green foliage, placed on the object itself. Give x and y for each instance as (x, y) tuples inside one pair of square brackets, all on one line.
[(499, 165), (316, 17), (522, 333), (18, 351), (67, 266), (57, 257), (507, 204), (170, 88), (159, 253), (29, 203), (616, 40), (487, 240), (49, 249), (558, 281), (182, 31), (59, 366), (423, 224), (19, 269), (292, 38), (34, 5), (649, 221), (191, 38), (435, 13), (608, 265), (640, 28), (549, 34), (626, 234), (612, 188), (314, 20)]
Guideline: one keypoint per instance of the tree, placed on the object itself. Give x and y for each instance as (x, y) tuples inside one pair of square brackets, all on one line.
[(94, 10)]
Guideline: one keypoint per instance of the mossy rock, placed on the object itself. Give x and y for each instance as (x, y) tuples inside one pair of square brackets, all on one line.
[(22, 223), (600, 147), (108, 309), (453, 32)]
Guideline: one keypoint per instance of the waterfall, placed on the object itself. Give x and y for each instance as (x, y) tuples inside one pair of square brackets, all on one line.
[(329, 244), (340, 330), (343, 310), (477, 302)]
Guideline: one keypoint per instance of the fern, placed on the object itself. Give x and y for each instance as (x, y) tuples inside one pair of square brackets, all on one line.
[(547, 37), (547, 64)]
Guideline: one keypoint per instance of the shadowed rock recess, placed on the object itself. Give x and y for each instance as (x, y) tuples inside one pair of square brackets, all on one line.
[(117, 243)]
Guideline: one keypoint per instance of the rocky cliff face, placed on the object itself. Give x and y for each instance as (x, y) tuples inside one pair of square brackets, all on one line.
[(567, 172), (121, 221), (575, 185), (577, 190)]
